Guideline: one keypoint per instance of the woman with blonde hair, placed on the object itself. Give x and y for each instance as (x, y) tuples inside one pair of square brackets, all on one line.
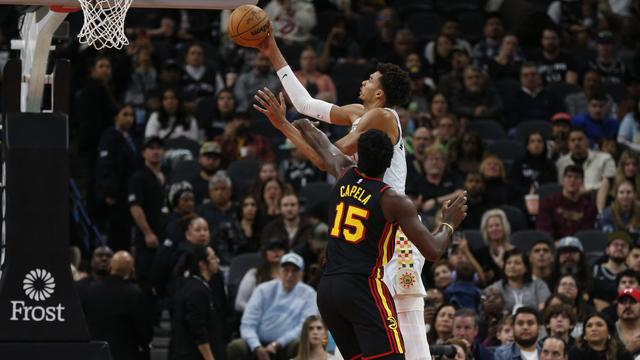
[(496, 231), (623, 214), (313, 340), (496, 187), (628, 166)]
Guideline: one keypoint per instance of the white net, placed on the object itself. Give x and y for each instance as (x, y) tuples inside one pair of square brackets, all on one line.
[(104, 23)]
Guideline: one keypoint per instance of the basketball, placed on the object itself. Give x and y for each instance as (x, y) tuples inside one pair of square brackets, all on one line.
[(249, 26)]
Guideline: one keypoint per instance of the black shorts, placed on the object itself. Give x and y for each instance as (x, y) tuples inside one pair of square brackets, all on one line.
[(361, 316)]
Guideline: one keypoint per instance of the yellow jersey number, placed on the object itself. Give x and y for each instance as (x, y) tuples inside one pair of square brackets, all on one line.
[(350, 226)]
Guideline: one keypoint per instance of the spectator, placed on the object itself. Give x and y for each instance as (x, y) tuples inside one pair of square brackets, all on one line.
[(250, 82), (596, 165), (628, 309), (463, 292), (199, 79), (623, 214), (171, 121), (453, 80), (560, 128), (432, 302), (339, 47), (487, 48), (267, 271), (447, 133), (569, 286), (556, 65), (292, 20), (182, 203), (629, 131), (595, 122), (559, 321), (118, 159), (241, 234), (209, 162), (627, 170), (320, 86), (507, 62), (271, 192), (239, 142), (633, 259), (496, 231), (492, 313), (100, 267), (442, 329), (526, 324), (517, 286), (531, 101), (461, 348), (220, 212), (477, 99), (275, 313), (421, 85), (438, 107), (469, 154), (554, 348), (476, 200), (442, 274), (440, 61), (604, 274), (403, 46), (610, 66), (290, 226), (451, 29), (196, 332), (421, 140), (116, 312), (497, 189), (313, 340), (598, 341), (146, 204), (144, 79), (465, 327), (570, 260), (381, 43), (504, 332), (534, 168), (564, 213), (541, 260), (578, 103), (297, 170), (213, 118)]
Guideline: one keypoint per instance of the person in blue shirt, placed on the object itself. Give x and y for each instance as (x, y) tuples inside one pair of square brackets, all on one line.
[(595, 122)]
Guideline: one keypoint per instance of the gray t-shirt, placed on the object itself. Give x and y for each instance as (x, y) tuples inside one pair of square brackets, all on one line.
[(531, 294)]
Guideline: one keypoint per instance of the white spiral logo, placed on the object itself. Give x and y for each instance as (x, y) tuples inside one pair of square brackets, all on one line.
[(38, 284)]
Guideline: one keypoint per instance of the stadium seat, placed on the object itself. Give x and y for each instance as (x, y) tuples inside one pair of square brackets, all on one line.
[(507, 150), (471, 24), (183, 143), (424, 25), (593, 241), (184, 170), (506, 88), (408, 7), (617, 91), (562, 90), (547, 189), (243, 173), (348, 78), (516, 218), (489, 130), (523, 240), (239, 266), (525, 128), (475, 239), (315, 198), (204, 109), (448, 6)]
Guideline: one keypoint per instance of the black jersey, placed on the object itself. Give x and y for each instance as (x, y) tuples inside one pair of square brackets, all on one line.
[(361, 240)]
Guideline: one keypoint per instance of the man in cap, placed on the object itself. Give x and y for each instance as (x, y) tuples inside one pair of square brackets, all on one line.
[(560, 127), (570, 260), (604, 274), (628, 324), (210, 161), (607, 63), (272, 320)]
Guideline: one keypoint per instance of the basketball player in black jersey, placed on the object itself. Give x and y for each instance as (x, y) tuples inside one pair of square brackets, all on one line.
[(352, 298)]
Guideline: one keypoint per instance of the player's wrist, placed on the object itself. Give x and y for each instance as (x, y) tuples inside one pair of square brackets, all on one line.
[(449, 227)]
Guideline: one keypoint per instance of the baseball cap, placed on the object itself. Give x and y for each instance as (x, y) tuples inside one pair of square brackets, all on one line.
[(294, 259), (633, 293), (570, 242), (561, 117), (210, 147), (275, 243), (605, 37), (153, 141), (619, 235)]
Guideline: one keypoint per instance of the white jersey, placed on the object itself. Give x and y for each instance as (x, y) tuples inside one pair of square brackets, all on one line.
[(396, 176)]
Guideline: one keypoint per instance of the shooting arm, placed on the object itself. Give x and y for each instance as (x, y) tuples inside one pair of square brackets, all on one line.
[(336, 161), (379, 119)]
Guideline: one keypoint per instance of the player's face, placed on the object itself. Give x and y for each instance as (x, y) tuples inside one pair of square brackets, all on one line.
[(371, 88), (198, 232)]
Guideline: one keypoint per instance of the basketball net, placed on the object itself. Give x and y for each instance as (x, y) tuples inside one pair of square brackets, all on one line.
[(104, 23)]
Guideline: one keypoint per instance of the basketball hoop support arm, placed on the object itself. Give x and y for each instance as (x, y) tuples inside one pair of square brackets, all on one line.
[(37, 32)]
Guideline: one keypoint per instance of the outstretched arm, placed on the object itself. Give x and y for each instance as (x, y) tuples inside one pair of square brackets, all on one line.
[(399, 208), (336, 161)]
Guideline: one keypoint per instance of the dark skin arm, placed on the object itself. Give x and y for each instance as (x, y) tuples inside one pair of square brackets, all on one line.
[(335, 160)]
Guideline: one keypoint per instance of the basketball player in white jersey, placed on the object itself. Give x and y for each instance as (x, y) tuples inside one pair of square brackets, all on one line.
[(387, 87)]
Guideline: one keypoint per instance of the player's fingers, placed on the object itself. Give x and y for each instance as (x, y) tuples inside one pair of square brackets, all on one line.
[(281, 97), (264, 97), (261, 101), (270, 94), (264, 111)]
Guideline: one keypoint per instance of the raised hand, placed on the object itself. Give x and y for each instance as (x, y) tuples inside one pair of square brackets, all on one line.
[(454, 211), (272, 108)]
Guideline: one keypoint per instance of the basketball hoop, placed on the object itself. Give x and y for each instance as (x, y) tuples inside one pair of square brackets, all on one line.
[(104, 23)]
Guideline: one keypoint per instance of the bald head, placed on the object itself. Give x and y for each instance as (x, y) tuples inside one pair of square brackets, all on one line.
[(122, 264)]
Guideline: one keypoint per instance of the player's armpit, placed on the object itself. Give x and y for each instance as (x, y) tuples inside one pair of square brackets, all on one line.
[(347, 114), (379, 119)]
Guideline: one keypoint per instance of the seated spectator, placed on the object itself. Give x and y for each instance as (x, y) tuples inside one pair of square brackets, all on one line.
[(421, 140), (116, 311), (442, 329), (143, 79), (541, 260), (432, 301), (438, 107), (465, 327), (623, 214), (297, 170), (239, 142), (199, 79), (628, 169), (554, 348), (517, 287), (497, 190), (171, 121), (313, 340), (487, 48), (421, 85), (271, 192), (461, 252), (507, 62), (476, 201), (221, 209), (578, 103), (595, 122), (440, 60), (379, 44), (604, 274), (403, 45), (438, 184), (442, 274), (290, 226), (531, 101), (625, 279), (633, 259), (570, 260), (182, 203), (267, 271), (567, 212), (491, 312), (496, 231), (629, 131), (596, 165), (453, 80), (447, 133), (534, 168), (463, 292), (476, 99), (569, 287), (504, 331), (599, 340), (559, 321), (607, 62), (273, 318), (628, 309), (461, 348), (555, 65), (250, 82), (339, 46), (292, 21), (469, 154), (451, 29), (320, 86), (213, 118), (209, 162), (526, 326), (243, 231), (560, 128)]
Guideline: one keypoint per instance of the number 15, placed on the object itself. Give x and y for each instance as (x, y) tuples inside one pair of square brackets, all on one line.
[(353, 229)]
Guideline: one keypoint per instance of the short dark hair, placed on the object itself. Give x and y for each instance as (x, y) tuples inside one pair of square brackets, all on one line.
[(464, 312), (558, 309), (564, 343), (627, 273), (375, 151), (578, 129), (599, 96), (191, 259), (525, 260), (527, 310), (575, 169), (395, 82)]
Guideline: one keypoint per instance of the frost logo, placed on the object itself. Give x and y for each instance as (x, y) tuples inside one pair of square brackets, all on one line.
[(38, 284)]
